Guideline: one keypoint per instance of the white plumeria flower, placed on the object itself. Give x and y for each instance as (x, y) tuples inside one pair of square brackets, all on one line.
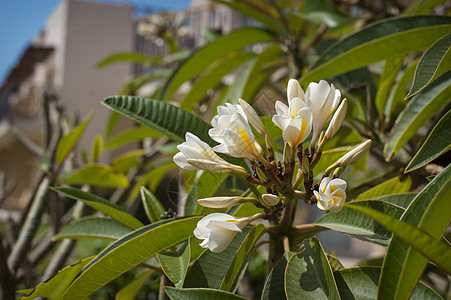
[(235, 137), (322, 99), (295, 120), (294, 90), (331, 195), (194, 148), (218, 230), (224, 110)]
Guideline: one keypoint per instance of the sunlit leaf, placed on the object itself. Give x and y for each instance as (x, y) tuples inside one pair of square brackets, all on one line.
[(152, 206), (128, 252), (55, 286), (429, 211), (417, 112), (395, 185), (435, 62), (127, 161), (131, 289), (391, 68), (97, 148), (68, 142), (100, 204), (308, 274), (132, 135), (358, 225), (97, 174), (126, 57), (93, 227), (437, 143), (380, 40)]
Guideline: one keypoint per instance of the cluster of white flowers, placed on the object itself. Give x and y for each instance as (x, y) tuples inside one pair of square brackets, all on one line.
[(305, 115)]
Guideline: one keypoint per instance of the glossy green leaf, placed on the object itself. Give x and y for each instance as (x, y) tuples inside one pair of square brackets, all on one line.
[(199, 294), (361, 283), (403, 199), (429, 211), (128, 252), (99, 175), (437, 143), (127, 161), (381, 40), (232, 276), (258, 10), (131, 289), (55, 286), (132, 135), (433, 249), (212, 77), (93, 227), (125, 57), (212, 269), (308, 274), (152, 206), (202, 58), (100, 204), (395, 185), (435, 62), (165, 118), (175, 263), (275, 282), (358, 225), (417, 112), (97, 148), (68, 142), (391, 68)]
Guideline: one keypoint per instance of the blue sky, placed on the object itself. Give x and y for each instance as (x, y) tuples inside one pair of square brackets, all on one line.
[(21, 21)]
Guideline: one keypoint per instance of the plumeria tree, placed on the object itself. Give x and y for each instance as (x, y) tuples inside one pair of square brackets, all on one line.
[(328, 111)]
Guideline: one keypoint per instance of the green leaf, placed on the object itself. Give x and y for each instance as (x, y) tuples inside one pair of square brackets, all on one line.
[(165, 118), (403, 199), (128, 252), (152, 206), (125, 57), (258, 10), (358, 225), (68, 142), (362, 282), (417, 112), (97, 148), (100, 204), (215, 270), (429, 247), (55, 286), (395, 185), (381, 40), (429, 211), (175, 263), (391, 68), (132, 135), (202, 58), (93, 227), (308, 274), (232, 277), (345, 136), (131, 289), (435, 62), (137, 82), (274, 284), (421, 7), (99, 175), (127, 161), (437, 143), (199, 294), (212, 77)]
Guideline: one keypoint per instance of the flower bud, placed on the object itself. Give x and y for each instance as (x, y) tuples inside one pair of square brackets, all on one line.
[(215, 167), (305, 165), (222, 202), (261, 175), (270, 200), (287, 154), (294, 90), (252, 117), (337, 120), (355, 154)]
